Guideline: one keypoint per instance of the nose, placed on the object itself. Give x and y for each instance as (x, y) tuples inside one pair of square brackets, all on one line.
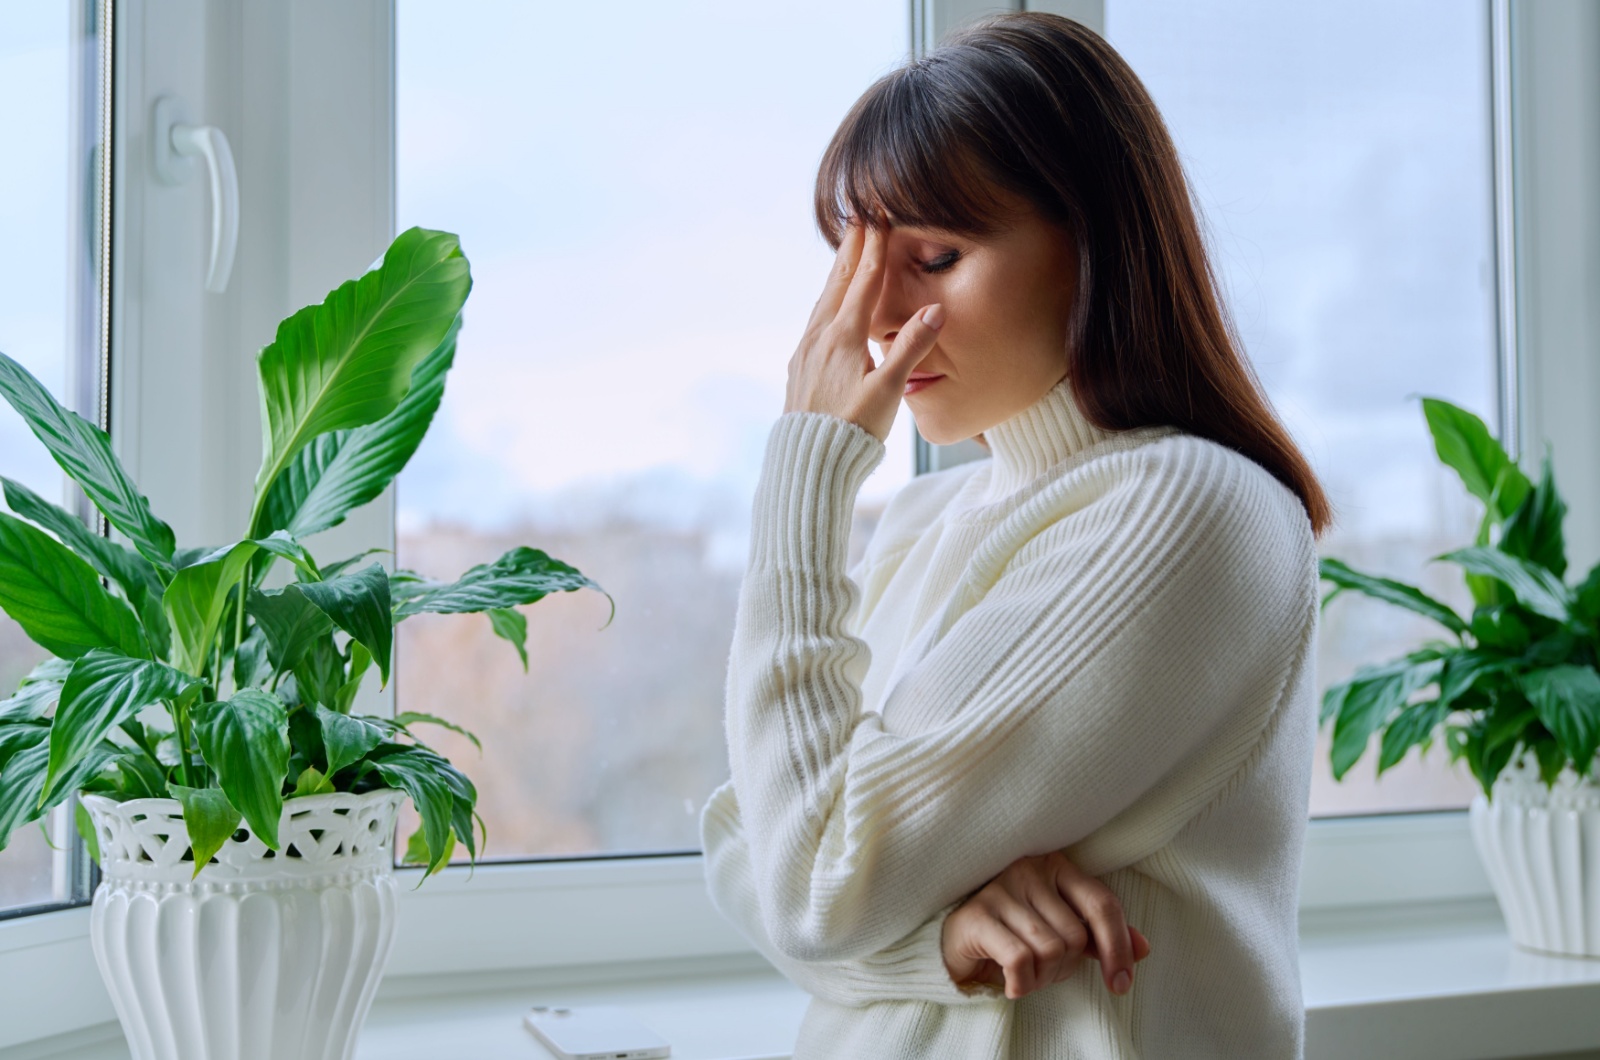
[(897, 300)]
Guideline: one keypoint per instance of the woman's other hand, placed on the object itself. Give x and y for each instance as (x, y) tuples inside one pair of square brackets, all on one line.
[(1033, 925), (832, 370)]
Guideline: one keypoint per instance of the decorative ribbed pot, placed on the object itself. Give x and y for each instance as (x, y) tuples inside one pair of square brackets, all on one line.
[(267, 955), (1541, 849)]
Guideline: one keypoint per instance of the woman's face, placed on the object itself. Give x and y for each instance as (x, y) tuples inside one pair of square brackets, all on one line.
[(1006, 298)]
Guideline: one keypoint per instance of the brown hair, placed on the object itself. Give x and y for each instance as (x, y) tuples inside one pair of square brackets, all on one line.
[(1044, 108)]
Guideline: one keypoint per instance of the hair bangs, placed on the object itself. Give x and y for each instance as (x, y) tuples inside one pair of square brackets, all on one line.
[(903, 157)]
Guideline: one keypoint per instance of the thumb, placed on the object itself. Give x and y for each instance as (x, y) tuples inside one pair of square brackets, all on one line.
[(913, 344)]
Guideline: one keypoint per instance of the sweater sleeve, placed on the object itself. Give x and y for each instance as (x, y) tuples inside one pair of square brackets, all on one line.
[(1139, 622), (910, 969)]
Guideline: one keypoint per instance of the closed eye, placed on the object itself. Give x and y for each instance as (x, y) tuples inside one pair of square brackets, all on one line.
[(942, 262)]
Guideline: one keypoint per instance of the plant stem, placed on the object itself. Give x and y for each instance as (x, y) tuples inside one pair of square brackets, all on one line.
[(180, 722)]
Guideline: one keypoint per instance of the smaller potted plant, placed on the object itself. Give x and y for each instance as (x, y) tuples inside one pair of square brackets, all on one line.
[(1514, 691), (242, 815)]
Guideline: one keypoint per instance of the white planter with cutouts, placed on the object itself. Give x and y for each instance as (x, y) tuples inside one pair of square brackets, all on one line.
[(1541, 849), (267, 955)]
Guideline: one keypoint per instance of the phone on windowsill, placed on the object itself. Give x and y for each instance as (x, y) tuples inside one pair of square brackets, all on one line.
[(594, 1032)]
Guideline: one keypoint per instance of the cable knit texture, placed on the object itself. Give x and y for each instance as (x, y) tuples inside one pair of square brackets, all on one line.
[(1099, 642)]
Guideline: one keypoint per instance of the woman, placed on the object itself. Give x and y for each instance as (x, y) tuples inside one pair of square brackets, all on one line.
[(1071, 683)]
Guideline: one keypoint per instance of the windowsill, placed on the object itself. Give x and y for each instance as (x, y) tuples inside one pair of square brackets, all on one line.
[(1442, 983)]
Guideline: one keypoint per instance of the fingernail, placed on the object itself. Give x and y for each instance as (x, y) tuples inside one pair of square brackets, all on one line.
[(1120, 984), (933, 316)]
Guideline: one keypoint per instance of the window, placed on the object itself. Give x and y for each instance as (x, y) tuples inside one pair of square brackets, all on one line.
[(635, 199), (1342, 154), (49, 321)]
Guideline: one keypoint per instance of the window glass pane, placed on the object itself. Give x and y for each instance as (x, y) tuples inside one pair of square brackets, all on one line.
[(1342, 156), (46, 211), (634, 193)]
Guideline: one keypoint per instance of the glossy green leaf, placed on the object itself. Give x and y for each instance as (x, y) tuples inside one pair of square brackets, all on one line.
[(412, 717), (1414, 724), (319, 674), (86, 830), (1464, 443), (246, 740), (1465, 670), (1533, 531), (31, 702), (210, 820), (417, 852), (348, 738), (140, 580), (1534, 587), (1390, 591), (343, 470), (521, 576), (510, 624), (104, 690), (359, 663), (197, 599), (311, 782), (282, 543), (1586, 598), (347, 361), (1568, 701), (251, 667), (84, 453), (338, 567), (290, 622), (359, 604), (416, 775), (1497, 626), (1371, 703), (22, 798), (57, 598)]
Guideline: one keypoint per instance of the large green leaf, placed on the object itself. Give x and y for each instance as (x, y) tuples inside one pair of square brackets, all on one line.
[(1464, 443), (359, 604), (209, 818), (1390, 591), (348, 738), (1412, 726), (512, 625), (1533, 530), (84, 453), (1371, 703), (1568, 701), (342, 470), (141, 583), (521, 576), (319, 674), (409, 770), (197, 599), (22, 781), (347, 361), (57, 598), (246, 740), (1586, 597), (290, 622), (1534, 587), (104, 690)]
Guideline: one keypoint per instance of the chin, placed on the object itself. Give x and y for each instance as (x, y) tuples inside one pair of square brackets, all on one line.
[(936, 433)]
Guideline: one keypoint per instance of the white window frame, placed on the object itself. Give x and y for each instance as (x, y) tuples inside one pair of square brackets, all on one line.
[(317, 188)]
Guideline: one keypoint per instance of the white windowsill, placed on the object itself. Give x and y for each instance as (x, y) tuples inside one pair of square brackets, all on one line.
[(1441, 983)]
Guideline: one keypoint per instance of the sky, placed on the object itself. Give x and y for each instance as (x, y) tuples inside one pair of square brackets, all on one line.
[(635, 199)]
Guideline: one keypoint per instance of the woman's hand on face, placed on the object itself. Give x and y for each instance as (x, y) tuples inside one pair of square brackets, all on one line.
[(1033, 925), (831, 370)]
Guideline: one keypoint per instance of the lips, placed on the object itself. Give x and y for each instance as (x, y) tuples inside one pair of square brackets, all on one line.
[(916, 376)]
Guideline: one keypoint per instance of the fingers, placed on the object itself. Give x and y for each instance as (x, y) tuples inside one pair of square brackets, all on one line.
[(911, 345), (1141, 945), (843, 271), (854, 318), (1099, 908)]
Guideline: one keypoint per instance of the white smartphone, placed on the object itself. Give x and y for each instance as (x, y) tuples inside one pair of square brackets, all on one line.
[(594, 1032)]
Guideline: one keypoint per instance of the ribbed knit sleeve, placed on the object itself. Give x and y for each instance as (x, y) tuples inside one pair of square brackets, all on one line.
[(1156, 601)]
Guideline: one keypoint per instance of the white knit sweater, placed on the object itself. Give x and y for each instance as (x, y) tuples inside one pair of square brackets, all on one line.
[(1095, 641)]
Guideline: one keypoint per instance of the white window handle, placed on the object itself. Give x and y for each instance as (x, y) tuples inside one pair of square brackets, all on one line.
[(172, 143)]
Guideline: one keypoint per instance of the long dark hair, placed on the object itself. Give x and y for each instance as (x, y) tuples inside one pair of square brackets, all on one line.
[(1042, 107)]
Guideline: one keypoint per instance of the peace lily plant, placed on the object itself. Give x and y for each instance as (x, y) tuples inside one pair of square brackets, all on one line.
[(250, 687), (1515, 692), (1520, 671)]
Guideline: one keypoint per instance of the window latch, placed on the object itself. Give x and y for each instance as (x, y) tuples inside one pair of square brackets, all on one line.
[(173, 144)]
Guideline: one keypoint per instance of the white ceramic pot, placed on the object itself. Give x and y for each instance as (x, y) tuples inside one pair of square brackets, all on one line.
[(1541, 849), (266, 955)]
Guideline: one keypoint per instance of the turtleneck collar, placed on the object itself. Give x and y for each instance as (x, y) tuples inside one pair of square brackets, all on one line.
[(1036, 439)]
